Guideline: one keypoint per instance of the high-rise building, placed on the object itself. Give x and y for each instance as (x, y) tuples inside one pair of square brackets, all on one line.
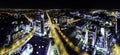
[(40, 17)]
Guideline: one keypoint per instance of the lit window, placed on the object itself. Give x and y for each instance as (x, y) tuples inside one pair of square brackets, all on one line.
[(102, 31), (37, 52), (107, 22), (39, 47), (35, 44), (42, 46)]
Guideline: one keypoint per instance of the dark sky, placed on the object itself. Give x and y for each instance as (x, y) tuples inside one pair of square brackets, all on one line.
[(59, 4)]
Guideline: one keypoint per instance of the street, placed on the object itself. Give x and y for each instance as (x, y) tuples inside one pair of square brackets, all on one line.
[(59, 32)]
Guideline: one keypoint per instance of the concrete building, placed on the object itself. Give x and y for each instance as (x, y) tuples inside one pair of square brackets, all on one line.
[(40, 17)]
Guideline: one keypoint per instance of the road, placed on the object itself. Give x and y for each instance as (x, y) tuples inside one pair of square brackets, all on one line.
[(67, 39), (30, 20), (56, 39), (116, 49), (16, 45)]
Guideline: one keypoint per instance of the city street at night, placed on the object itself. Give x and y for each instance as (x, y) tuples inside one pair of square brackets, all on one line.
[(59, 32)]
